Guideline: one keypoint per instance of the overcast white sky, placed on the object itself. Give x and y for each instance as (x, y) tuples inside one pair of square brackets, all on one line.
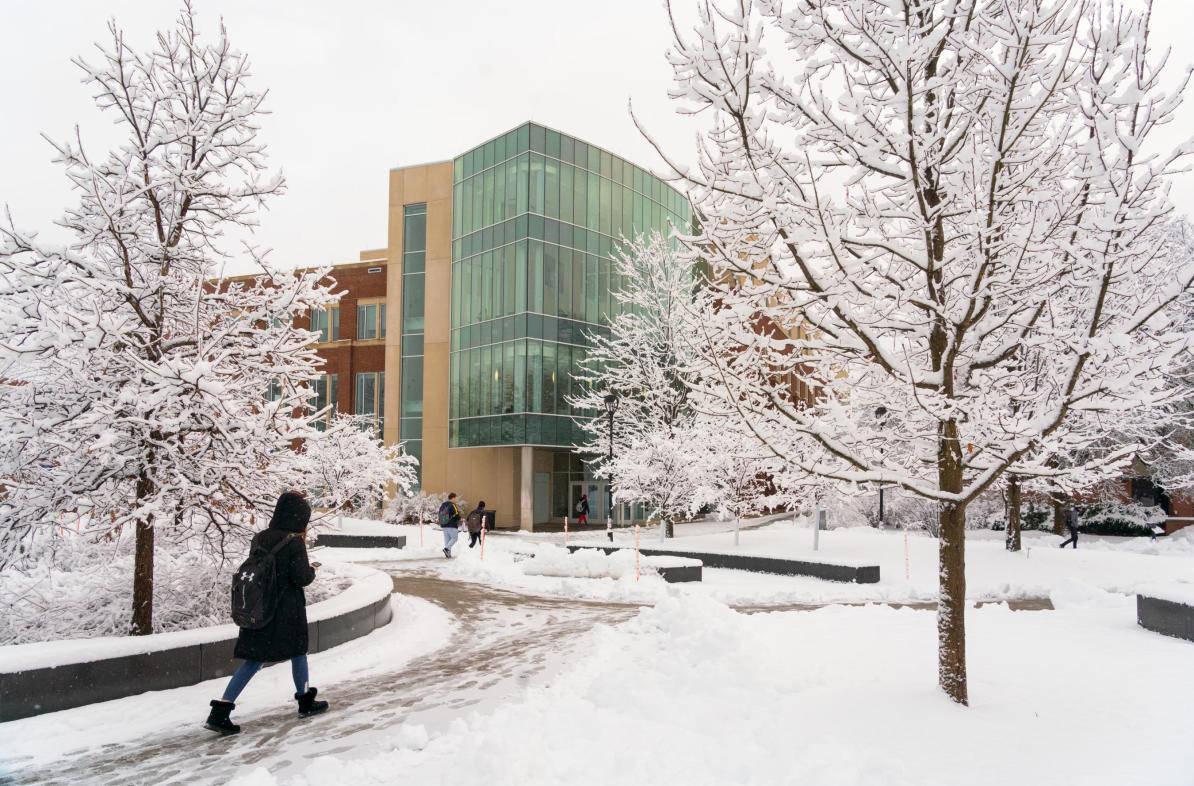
[(358, 86)]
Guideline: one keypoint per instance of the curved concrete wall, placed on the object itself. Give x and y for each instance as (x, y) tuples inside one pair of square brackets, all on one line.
[(36, 691)]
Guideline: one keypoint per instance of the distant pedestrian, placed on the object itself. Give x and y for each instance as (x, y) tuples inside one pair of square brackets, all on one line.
[(283, 636), (449, 522), (475, 523), (1071, 523), (582, 510)]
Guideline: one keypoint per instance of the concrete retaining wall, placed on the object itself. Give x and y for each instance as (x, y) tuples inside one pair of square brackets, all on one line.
[(858, 574), (361, 541), (37, 691), (1165, 616)]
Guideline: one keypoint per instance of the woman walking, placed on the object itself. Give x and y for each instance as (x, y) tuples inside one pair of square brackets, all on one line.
[(284, 636)]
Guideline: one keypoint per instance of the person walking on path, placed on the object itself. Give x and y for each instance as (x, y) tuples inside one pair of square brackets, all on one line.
[(475, 522), (449, 522), (284, 636), (582, 510), (1071, 523)]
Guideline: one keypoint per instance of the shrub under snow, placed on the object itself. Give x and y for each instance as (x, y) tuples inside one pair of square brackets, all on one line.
[(81, 589)]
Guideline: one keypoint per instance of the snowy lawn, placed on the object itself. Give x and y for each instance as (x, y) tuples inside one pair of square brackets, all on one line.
[(418, 628), (693, 692), (1116, 565)]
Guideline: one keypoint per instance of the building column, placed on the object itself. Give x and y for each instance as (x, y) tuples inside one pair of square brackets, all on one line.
[(526, 489)]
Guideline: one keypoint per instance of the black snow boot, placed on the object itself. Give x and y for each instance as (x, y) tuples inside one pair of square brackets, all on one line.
[(218, 720), (307, 705)]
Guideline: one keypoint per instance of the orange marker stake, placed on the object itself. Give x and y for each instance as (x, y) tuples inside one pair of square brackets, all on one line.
[(565, 532)]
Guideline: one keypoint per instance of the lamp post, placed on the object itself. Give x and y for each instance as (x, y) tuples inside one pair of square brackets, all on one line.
[(881, 417), (611, 403)]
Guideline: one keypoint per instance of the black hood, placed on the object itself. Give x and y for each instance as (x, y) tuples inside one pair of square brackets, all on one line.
[(291, 513)]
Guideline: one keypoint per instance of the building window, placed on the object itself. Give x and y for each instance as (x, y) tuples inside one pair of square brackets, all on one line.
[(370, 397), (371, 321), (275, 390), (325, 389), (326, 322), (410, 394)]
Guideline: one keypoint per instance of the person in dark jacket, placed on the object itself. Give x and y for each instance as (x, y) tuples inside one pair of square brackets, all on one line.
[(285, 636), (582, 510), (1071, 523), (475, 522), (449, 522)]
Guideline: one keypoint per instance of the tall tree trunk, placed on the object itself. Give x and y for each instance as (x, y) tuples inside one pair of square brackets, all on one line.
[(951, 603), (1013, 513), (142, 623), (669, 528), (1058, 517)]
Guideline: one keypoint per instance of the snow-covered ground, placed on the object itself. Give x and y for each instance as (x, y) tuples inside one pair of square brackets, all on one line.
[(1118, 565), (418, 628), (518, 678), (692, 692)]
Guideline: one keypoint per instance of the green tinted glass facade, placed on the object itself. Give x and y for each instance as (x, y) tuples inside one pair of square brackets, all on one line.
[(536, 215), (414, 264)]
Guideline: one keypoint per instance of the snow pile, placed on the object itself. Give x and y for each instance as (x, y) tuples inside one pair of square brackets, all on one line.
[(691, 692), (550, 560), (85, 590)]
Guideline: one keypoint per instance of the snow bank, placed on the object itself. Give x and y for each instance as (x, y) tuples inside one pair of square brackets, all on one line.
[(691, 692), (367, 586)]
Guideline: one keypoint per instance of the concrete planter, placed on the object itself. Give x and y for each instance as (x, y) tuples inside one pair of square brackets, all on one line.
[(830, 571), (1165, 616), (361, 541)]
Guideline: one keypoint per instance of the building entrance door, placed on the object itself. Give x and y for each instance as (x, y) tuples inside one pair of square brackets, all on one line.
[(597, 491)]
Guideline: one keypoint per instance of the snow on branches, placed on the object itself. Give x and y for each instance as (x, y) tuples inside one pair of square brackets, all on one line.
[(140, 388), (959, 214), (346, 466)]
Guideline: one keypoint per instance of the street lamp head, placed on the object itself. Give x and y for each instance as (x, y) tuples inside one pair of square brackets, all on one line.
[(611, 402)]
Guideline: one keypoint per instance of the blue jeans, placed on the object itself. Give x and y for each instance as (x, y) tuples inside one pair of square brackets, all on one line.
[(298, 670), (450, 536)]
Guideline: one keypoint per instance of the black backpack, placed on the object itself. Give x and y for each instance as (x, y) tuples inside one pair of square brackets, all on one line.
[(254, 595)]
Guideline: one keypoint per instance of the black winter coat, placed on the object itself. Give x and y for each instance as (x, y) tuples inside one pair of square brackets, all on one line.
[(285, 636)]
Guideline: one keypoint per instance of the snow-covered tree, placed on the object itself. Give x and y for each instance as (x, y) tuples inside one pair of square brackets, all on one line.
[(347, 467), (673, 476), (740, 471), (141, 388), (641, 360), (958, 211)]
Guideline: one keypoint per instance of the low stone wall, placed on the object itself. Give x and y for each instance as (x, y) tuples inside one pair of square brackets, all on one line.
[(37, 691), (858, 574), (1165, 616), (361, 541)]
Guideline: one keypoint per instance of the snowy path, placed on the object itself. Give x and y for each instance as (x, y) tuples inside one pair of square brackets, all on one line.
[(502, 641)]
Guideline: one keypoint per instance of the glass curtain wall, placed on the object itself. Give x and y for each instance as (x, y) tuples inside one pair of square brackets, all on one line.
[(536, 216), (414, 258)]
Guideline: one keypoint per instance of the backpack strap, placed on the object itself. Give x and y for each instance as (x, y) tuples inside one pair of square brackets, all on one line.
[(274, 551)]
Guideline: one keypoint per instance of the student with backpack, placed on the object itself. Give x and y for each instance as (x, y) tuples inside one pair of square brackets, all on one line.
[(449, 522), (475, 523), (582, 510), (269, 606)]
